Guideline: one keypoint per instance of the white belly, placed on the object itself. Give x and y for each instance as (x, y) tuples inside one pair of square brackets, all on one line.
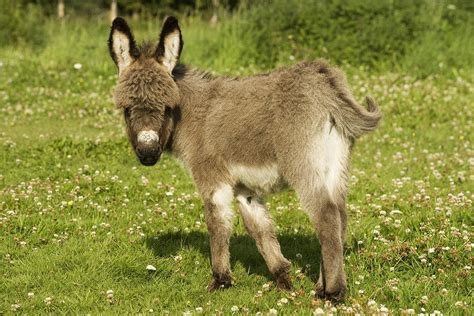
[(261, 179)]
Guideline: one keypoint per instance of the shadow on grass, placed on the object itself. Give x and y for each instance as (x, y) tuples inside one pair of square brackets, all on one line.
[(243, 250)]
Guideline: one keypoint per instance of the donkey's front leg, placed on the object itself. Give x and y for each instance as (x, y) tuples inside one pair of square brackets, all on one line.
[(219, 224)]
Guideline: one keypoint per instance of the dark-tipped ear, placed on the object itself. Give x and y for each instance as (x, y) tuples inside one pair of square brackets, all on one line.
[(170, 45), (122, 46)]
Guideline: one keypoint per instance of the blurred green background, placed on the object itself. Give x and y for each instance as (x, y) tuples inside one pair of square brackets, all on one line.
[(423, 37)]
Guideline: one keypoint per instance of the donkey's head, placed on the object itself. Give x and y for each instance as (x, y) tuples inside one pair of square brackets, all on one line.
[(146, 90)]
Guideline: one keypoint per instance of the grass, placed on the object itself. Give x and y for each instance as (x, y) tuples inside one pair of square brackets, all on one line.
[(80, 219)]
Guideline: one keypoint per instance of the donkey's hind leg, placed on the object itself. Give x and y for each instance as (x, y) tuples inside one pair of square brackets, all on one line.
[(326, 217), (259, 225), (319, 176)]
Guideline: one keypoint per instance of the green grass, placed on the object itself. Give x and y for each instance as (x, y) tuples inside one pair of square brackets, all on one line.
[(79, 216)]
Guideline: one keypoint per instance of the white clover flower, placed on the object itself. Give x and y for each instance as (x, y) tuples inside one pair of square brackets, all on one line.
[(371, 303), (14, 307), (234, 309), (150, 268), (461, 304), (77, 66), (272, 311), (319, 311)]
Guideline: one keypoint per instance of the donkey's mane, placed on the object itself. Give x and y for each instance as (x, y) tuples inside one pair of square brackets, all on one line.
[(147, 49), (181, 70)]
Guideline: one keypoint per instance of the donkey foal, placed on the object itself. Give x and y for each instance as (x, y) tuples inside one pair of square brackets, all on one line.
[(246, 137)]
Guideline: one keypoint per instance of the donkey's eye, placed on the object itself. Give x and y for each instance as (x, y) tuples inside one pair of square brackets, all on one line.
[(126, 112)]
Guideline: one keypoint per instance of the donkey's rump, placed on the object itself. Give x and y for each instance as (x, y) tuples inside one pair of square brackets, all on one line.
[(352, 119)]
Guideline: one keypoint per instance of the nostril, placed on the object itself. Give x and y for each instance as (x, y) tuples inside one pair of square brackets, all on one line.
[(141, 153)]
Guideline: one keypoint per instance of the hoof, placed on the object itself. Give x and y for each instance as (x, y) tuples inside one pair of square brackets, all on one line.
[(334, 296), (283, 280), (220, 282), (320, 291)]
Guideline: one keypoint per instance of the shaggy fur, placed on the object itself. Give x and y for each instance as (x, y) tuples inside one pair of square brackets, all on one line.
[(247, 137)]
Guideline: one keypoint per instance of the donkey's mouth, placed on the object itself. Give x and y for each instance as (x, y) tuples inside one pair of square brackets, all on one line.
[(148, 155), (149, 161)]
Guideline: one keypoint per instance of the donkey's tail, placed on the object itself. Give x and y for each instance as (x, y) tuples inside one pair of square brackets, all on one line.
[(355, 120), (352, 119)]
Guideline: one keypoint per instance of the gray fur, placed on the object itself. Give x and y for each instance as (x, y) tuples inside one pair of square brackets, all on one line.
[(250, 136)]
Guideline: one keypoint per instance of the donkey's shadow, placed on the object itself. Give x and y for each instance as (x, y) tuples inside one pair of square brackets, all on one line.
[(301, 249)]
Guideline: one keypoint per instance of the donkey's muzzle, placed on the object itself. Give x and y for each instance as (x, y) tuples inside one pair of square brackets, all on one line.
[(148, 156)]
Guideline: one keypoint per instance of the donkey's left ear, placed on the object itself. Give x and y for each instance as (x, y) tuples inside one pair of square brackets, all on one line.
[(170, 45)]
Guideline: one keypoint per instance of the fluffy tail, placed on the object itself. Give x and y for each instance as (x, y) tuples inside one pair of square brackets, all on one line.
[(367, 120), (352, 119), (355, 120)]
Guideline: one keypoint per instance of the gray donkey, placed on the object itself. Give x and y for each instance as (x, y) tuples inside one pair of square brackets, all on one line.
[(244, 138)]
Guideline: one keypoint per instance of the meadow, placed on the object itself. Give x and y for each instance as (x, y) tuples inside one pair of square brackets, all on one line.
[(81, 219)]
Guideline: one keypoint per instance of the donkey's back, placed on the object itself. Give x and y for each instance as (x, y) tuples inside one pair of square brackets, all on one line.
[(266, 121)]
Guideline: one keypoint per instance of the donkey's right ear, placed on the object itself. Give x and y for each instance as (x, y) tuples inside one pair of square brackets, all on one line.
[(170, 45), (122, 46)]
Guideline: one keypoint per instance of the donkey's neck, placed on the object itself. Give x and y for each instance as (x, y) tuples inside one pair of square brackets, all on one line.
[(192, 83), (195, 88)]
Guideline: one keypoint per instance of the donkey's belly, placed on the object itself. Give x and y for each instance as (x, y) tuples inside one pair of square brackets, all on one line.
[(260, 179)]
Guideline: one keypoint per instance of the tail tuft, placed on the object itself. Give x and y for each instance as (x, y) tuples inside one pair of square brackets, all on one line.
[(371, 104)]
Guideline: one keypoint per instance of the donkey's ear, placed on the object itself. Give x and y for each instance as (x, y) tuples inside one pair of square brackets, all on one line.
[(170, 44), (122, 46)]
